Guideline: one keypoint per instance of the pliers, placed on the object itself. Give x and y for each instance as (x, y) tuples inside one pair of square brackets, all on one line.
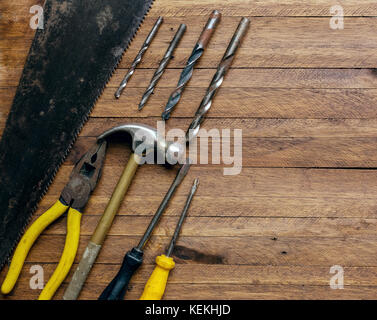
[(74, 197)]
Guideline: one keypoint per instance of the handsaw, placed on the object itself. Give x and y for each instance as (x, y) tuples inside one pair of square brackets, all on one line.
[(69, 63)]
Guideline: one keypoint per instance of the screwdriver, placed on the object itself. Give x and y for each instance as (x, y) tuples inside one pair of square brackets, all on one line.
[(156, 284), (134, 258)]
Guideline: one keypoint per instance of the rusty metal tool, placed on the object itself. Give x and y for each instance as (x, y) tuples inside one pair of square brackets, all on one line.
[(156, 284), (68, 65), (138, 57), (73, 199), (145, 141), (197, 52), (162, 66), (218, 78), (134, 258)]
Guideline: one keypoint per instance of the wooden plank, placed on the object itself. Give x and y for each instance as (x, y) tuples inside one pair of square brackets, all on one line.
[(256, 127), (255, 192), (251, 276), (261, 78), (352, 251), (300, 152), (244, 226), (240, 78), (228, 274), (181, 8), (247, 292), (227, 291), (271, 142), (253, 182), (250, 101), (233, 206), (270, 42)]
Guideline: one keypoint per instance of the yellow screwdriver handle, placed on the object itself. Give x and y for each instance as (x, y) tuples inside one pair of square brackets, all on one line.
[(27, 242), (155, 287), (68, 256)]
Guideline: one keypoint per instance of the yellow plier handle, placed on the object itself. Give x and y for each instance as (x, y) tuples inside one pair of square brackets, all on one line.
[(31, 235), (74, 197), (68, 256), (27, 242)]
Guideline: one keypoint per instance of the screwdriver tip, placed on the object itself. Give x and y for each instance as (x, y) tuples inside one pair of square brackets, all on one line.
[(195, 185)]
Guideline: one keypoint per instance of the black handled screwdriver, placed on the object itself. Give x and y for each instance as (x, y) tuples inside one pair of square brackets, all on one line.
[(134, 258)]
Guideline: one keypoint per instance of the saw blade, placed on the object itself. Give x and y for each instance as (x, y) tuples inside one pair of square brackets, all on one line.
[(69, 63)]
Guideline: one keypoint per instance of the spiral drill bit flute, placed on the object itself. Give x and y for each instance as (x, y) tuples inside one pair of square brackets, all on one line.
[(162, 66), (197, 52), (137, 59), (217, 79)]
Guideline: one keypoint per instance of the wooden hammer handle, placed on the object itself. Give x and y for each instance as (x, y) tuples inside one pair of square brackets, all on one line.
[(112, 207)]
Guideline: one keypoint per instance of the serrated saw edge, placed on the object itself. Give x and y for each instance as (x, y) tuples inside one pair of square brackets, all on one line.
[(76, 133)]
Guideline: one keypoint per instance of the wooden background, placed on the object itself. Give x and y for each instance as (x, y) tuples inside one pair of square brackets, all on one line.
[(305, 97)]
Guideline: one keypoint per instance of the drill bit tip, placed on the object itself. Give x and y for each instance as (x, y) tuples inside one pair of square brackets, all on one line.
[(162, 65), (138, 57)]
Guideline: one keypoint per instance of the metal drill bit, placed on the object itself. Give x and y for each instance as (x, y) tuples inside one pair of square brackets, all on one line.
[(217, 79), (182, 218), (163, 64), (197, 52), (178, 179), (137, 59)]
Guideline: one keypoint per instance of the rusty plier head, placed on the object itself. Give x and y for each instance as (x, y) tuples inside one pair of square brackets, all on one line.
[(84, 177)]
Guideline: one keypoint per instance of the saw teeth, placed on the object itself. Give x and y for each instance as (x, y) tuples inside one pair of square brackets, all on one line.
[(77, 132)]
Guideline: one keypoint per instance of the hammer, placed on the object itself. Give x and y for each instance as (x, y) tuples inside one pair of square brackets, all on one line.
[(145, 142)]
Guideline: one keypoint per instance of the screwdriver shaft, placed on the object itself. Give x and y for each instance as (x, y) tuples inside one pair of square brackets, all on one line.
[(197, 52), (162, 66), (182, 218), (138, 57), (178, 179), (217, 79)]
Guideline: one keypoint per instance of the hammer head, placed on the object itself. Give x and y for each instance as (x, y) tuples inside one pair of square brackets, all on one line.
[(145, 140)]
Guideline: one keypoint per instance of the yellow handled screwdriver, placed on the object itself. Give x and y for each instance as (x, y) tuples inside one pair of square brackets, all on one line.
[(156, 284)]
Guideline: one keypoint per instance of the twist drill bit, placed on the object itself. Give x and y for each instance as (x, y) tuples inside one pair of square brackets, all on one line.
[(217, 79), (163, 64), (138, 57), (197, 52)]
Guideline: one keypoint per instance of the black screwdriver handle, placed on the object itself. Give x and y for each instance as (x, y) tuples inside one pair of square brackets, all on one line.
[(118, 286)]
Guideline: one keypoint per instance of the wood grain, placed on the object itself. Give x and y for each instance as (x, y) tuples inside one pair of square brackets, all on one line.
[(304, 96)]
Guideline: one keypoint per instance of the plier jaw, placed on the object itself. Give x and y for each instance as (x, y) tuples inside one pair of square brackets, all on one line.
[(84, 177)]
